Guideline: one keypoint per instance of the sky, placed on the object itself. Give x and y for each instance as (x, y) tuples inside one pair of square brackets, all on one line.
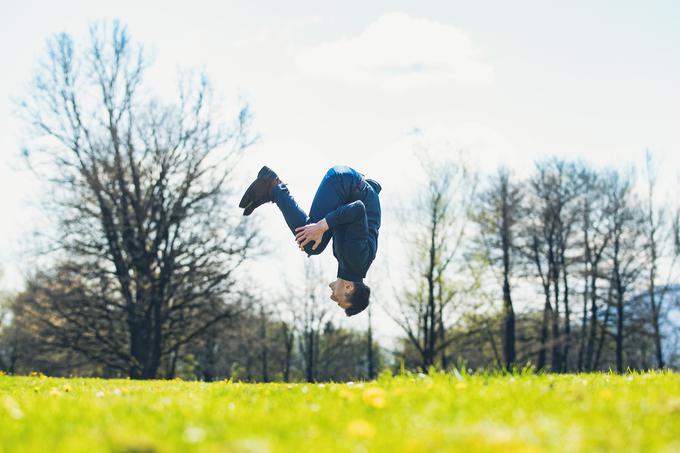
[(366, 83)]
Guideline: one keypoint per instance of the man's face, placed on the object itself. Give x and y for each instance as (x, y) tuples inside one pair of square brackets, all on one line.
[(339, 290)]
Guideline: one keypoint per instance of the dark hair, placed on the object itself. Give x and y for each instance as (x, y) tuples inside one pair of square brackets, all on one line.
[(358, 298)]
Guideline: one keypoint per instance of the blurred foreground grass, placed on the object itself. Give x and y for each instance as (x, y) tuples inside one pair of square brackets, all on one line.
[(440, 412)]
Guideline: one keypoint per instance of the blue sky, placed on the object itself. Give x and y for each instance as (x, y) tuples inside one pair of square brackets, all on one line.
[(348, 82)]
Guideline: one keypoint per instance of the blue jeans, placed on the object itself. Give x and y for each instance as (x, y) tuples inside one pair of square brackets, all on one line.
[(334, 191)]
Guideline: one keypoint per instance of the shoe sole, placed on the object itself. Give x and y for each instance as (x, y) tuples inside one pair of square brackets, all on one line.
[(247, 201), (264, 171)]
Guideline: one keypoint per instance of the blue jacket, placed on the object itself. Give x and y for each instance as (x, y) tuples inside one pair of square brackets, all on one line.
[(355, 228)]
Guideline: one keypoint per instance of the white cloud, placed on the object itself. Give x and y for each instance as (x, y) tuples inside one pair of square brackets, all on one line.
[(398, 52)]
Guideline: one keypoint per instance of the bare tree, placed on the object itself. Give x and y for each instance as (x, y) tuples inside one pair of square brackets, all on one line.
[(435, 226), (310, 313), (283, 316), (625, 263), (8, 338), (139, 192), (342, 354), (596, 226), (370, 346), (547, 235), (288, 337), (46, 333), (659, 232), (497, 216), (264, 343)]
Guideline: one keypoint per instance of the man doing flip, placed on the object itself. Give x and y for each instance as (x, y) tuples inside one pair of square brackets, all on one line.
[(346, 208)]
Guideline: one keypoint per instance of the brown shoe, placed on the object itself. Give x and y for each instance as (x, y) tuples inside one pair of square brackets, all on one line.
[(260, 191)]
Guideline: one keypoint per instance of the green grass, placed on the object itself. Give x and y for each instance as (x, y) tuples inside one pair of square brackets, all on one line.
[(441, 412)]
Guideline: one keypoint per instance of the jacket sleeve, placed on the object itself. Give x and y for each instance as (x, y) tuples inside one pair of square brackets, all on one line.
[(346, 213)]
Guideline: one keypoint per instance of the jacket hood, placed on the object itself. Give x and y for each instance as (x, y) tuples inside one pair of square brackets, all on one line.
[(375, 184)]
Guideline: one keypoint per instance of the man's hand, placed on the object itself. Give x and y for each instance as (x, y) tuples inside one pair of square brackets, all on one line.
[(312, 232)]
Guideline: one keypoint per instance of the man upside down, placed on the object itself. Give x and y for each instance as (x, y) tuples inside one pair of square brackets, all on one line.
[(346, 208)]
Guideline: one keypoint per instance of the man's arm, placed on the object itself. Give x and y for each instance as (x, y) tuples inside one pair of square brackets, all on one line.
[(346, 213), (313, 232)]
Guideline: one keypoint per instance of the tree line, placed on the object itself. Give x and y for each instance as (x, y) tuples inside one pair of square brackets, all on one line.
[(568, 269)]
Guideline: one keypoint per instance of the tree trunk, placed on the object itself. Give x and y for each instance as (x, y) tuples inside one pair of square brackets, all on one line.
[(264, 348), (442, 331), (309, 357), (288, 341), (370, 358), (556, 353), (590, 347), (619, 306), (430, 333), (497, 357), (586, 273), (619, 332), (509, 312), (508, 326), (657, 338), (547, 313), (603, 332), (567, 313)]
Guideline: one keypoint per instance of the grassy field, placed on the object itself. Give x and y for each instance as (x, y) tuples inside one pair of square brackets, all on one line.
[(440, 412)]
